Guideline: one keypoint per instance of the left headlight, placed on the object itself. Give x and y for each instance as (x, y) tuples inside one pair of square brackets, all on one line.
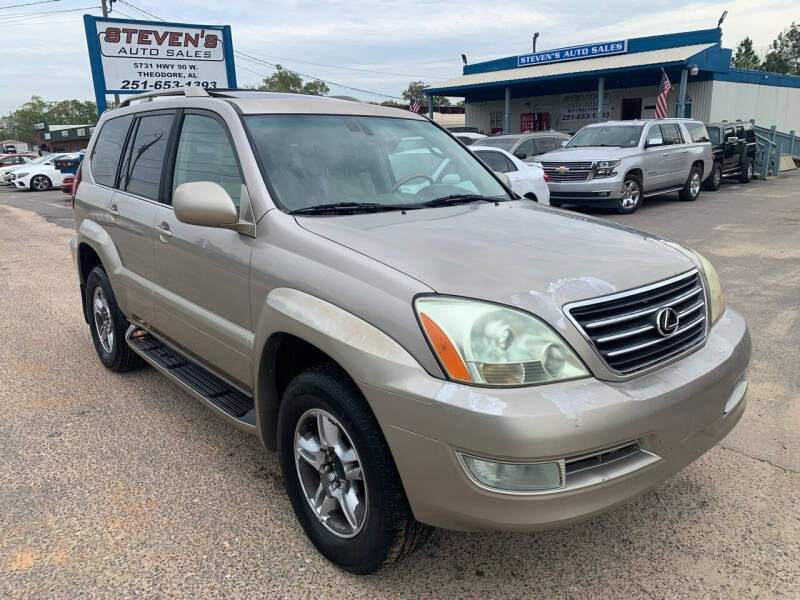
[(715, 296), (21, 175), (487, 344), (606, 168)]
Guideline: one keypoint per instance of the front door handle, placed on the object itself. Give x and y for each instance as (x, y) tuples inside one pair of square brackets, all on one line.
[(164, 232), (113, 210)]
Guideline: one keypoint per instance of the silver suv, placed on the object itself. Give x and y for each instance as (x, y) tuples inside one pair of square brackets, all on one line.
[(421, 347), (618, 164)]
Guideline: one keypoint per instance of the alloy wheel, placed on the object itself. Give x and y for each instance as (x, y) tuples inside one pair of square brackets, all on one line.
[(694, 184), (717, 177), (102, 320), (40, 184), (330, 473), (630, 194)]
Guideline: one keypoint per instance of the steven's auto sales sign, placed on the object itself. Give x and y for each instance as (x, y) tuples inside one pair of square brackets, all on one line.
[(141, 56)]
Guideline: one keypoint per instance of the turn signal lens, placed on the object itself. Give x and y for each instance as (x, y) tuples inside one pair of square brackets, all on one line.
[(444, 349)]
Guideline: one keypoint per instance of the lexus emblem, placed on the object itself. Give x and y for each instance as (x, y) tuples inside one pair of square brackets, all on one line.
[(562, 169), (667, 321)]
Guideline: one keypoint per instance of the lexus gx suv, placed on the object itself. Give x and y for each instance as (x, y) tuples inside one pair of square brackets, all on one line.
[(421, 346)]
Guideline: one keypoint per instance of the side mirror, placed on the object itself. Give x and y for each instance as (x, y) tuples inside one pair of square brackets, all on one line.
[(204, 203), (733, 140), (654, 142), (504, 178), (564, 143)]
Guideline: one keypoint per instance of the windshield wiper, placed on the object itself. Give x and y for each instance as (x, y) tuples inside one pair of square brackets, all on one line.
[(455, 199), (335, 207)]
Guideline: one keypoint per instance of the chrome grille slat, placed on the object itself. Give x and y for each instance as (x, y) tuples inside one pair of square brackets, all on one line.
[(622, 327), (578, 171)]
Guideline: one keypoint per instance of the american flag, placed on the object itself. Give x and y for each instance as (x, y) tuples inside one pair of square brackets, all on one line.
[(415, 106), (663, 90)]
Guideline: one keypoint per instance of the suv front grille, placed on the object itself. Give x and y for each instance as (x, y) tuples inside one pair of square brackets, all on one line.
[(622, 327), (567, 171)]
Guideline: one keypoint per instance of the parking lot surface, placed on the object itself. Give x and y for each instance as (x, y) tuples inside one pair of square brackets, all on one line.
[(123, 486)]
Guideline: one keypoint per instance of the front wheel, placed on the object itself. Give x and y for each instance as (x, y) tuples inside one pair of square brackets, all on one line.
[(691, 189), (631, 196), (714, 180), (340, 476), (41, 183)]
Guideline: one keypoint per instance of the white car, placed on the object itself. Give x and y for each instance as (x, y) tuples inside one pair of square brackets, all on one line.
[(527, 179), (468, 137), (12, 161), (39, 176), (8, 174)]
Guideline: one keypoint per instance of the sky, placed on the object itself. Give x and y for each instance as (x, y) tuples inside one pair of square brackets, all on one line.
[(374, 45)]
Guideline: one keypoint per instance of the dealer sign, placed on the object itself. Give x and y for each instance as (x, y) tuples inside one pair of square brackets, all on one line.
[(573, 53), (130, 57)]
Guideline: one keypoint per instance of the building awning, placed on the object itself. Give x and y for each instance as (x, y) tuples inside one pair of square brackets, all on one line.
[(666, 56)]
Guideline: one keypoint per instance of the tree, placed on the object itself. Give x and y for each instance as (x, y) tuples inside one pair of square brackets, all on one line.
[(745, 56), (19, 123), (415, 91), (283, 80), (784, 53)]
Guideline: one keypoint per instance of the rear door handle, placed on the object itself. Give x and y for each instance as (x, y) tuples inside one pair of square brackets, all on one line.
[(164, 232), (113, 210)]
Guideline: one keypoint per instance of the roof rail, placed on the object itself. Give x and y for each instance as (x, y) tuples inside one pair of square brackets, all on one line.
[(148, 96)]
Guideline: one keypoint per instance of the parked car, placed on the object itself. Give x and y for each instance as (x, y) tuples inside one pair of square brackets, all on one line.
[(66, 183), (468, 138), (9, 174), (734, 151), (39, 177), (526, 179), (527, 146), (618, 164), (419, 346), (12, 161)]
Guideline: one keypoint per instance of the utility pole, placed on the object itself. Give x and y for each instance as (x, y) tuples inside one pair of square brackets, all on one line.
[(535, 37), (105, 4)]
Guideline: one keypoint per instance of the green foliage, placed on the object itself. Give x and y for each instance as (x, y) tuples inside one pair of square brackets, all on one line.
[(784, 53), (414, 90), (19, 123), (283, 80), (745, 56)]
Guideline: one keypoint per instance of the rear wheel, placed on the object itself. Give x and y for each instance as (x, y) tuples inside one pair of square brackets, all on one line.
[(691, 189), (714, 179), (631, 198), (746, 173), (41, 183), (108, 325), (340, 476)]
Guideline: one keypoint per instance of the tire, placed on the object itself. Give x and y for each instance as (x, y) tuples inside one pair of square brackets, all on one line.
[(110, 344), (691, 189), (714, 180), (746, 172), (385, 530), (632, 195), (40, 183)]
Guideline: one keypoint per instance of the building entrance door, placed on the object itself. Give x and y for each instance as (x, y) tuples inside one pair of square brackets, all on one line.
[(631, 109)]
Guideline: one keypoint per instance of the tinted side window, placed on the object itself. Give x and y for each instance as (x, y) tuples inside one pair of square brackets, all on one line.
[(671, 134), (510, 166), (545, 144), (146, 160), (108, 149), (526, 148), (205, 154), (750, 133), (654, 133), (698, 132), (740, 133), (495, 160), (729, 133)]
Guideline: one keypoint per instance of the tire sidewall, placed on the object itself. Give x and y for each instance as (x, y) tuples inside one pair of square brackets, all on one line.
[(714, 181), (627, 211), (747, 171), (366, 551), (98, 278)]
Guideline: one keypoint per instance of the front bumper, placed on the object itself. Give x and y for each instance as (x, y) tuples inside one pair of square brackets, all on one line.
[(675, 414), (22, 184), (596, 192)]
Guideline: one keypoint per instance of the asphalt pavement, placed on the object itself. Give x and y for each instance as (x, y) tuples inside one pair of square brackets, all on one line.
[(123, 486)]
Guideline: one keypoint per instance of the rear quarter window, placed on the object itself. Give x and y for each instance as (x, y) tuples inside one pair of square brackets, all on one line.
[(108, 150), (697, 132)]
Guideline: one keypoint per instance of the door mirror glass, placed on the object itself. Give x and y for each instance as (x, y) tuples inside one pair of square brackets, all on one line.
[(655, 141), (204, 203)]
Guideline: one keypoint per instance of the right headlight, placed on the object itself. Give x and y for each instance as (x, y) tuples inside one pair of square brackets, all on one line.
[(487, 344), (715, 296)]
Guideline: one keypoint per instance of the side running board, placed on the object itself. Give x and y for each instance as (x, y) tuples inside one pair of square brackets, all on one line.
[(202, 384)]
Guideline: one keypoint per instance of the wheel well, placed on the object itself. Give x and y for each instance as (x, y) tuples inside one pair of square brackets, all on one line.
[(88, 259), (699, 165), (636, 173), (285, 356), (531, 196)]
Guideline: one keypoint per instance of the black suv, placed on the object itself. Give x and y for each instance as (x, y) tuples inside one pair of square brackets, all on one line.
[(734, 148)]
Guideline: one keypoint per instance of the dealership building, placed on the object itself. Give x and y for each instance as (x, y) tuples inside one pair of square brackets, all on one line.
[(568, 88)]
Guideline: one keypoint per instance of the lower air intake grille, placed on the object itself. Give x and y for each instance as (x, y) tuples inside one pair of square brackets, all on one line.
[(632, 332)]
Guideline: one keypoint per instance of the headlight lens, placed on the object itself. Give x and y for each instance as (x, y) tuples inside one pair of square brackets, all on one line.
[(21, 175), (487, 344), (606, 168), (715, 295)]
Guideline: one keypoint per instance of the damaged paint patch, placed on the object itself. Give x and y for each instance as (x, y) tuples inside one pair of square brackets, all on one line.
[(573, 401), (548, 305), (469, 398)]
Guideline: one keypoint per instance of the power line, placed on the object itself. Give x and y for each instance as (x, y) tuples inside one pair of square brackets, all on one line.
[(307, 62), (40, 14), (141, 10), (28, 4)]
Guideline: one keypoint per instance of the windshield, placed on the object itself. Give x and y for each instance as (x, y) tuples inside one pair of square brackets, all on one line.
[(316, 160), (713, 134), (42, 159), (621, 136), (504, 143)]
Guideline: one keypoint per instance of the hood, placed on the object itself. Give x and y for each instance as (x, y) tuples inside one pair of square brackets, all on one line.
[(515, 253), (588, 154)]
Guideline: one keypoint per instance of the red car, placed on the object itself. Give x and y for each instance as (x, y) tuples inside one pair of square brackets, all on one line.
[(66, 184), (15, 160)]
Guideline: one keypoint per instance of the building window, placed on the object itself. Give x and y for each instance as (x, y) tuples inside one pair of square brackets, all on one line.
[(496, 121), (687, 108)]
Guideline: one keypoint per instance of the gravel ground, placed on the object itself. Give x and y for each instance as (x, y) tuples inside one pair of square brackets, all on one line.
[(122, 486)]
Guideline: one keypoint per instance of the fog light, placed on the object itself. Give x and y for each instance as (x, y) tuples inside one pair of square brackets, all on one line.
[(516, 477)]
